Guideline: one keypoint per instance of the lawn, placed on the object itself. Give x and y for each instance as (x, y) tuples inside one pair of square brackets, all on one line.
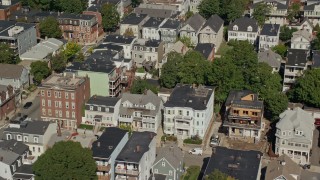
[(224, 47), (85, 126), (192, 173), (140, 70)]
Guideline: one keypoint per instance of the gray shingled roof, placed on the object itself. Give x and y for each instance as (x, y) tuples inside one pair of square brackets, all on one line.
[(33, 127), (271, 58), (196, 21), (172, 153), (14, 146), (270, 29), (243, 23), (102, 100), (214, 22), (276, 169), (8, 156), (10, 71)]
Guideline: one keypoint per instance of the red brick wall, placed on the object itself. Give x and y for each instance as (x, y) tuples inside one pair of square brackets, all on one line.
[(88, 36), (5, 13), (9, 104)]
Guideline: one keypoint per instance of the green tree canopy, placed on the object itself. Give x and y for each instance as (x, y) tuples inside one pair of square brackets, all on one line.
[(140, 85), (71, 50), (186, 41), (169, 76), (58, 63), (189, 14), (136, 3), (286, 33), (110, 17), (218, 175), (7, 55), (260, 13), (232, 9), (207, 8), (294, 11), (49, 27), (281, 49), (39, 70), (72, 6), (66, 160), (306, 89), (80, 57), (316, 42)]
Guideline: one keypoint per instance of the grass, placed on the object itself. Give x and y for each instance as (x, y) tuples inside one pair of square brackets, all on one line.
[(192, 173), (169, 138), (140, 70), (193, 140), (85, 126), (224, 47), (32, 87)]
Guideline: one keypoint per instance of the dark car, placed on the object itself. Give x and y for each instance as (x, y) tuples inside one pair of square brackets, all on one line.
[(27, 105)]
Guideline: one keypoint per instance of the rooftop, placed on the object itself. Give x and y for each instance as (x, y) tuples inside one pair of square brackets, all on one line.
[(64, 80), (118, 39), (153, 22), (11, 71), (244, 98), (31, 127), (103, 101), (172, 153), (158, 13), (14, 146), (107, 142), (188, 96), (8, 157), (235, 163), (270, 30), (24, 172), (12, 29), (147, 43), (315, 59), (297, 57), (196, 21), (13, 2), (271, 58), (171, 24), (283, 166), (135, 148), (243, 23), (214, 22), (205, 49), (133, 19)]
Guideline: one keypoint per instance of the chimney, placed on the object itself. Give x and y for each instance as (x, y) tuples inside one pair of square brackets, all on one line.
[(138, 148), (1, 158), (205, 102), (214, 150), (73, 76), (98, 144)]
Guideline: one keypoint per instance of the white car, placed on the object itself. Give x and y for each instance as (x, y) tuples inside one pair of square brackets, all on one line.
[(214, 140), (196, 151)]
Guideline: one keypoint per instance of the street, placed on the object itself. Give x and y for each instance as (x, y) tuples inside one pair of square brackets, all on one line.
[(315, 156), (34, 111)]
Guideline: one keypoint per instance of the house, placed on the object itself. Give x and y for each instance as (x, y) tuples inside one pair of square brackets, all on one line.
[(102, 110), (137, 157), (243, 115), (35, 134), (243, 29), (192, 27), (212, 31), (294, 135), (169, 31), (207, 50), (157, 10), (194, 5), (14, 75), (188, 111), (125, 41), (278, 13), (147, 52), (106, 149), (181, 6), (301, 39), (283, 167), (169, 162), (238, 164), (305, 24), (133, 22), (24, 172), (311, 11), (271, 58), (297, 62), (269, 36), (9, 162), (7, 100), (315, 61), (62, 97), (100, 67), (19, 36), (43, 50), (150, 29), (7, 7), (141, 111)]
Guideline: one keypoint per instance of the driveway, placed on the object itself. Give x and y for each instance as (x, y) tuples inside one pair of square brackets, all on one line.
[(315, 156)]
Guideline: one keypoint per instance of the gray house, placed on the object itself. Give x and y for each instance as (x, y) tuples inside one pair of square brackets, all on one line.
[(192, 27), (15, 75), (169, 162), (169, 31)]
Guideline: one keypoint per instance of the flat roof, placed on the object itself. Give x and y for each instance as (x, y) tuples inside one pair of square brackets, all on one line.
[(63, 80)]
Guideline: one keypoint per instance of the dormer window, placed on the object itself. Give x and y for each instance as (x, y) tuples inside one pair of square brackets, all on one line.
[(235, 28), (91, 108), (249, 28)]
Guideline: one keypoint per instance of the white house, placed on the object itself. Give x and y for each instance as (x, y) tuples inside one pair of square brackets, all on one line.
[(102, 110), (301, 40), (312, 12), (188, 111), (150, 29), (124, 41), (269, 36), (133, 22), (305, 24), (294, 135), (243, 29), (15, 75), (192, 27), (137, 157)]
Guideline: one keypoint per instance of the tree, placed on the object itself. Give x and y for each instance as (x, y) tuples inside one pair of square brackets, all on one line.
[(66, 160), (306, 89), (72, 6), (260, 13), (128, 32), (218, 175), (294, 10), (169, 76), (186, 41), (286, 33), (136, 3), (316, 28), (275, 103), (72, 48), (140, 85), (80, 57), (110, 17), (49, 27), (39, 70), (7, 55), (58, 63), (281, 49), (40, 4), (189, 14), (232, 9), (207, 8), (316, 42)]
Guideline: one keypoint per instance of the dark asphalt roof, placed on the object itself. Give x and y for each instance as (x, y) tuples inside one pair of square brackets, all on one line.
[(278, 5), (153, 22), (25, 168), (133, 19), (33, 127), (204, 48), (153, 43), (270, 29), (311, 7), (297, 57), (243, 165), (171, 24), (214, 22), (118, 39), (243, 23), (75, 16), (160, 13), (15, 146), (110, 47), (6, 25), (196, 21), (316, 59), (102, 100), (109, 140), (187, 96), (135, 148), (234, 98)]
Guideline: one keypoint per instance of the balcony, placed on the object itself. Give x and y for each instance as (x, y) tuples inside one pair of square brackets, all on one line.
[(133, 172), (240, 125), (182, 118), (114, 78), (126, 119), (241, 117), (182, 125), (104, 168)]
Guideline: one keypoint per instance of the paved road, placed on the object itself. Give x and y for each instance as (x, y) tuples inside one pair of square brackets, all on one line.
[(190, 159), (315, 156), (34, 111)]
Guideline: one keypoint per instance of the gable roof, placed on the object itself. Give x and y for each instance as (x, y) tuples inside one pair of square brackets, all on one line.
[(11, 71), (172, 153), (243, 23), (32, 127), (270, 29), (8, 156), (311, 6), (196, 21), (214, 22), (171, 24), (304, 33), (282, 166), (160, 13), (297, 57), (14, 146), (103, 100), (205, 49), (271, 58), (133, 19), (153, 22), (119, 39)]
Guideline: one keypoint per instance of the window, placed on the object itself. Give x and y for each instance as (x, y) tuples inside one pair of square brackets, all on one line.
[(42, 92), (163, 164), (72, 95), (283, 133), (55, 94), (235, 28), (25, 138), (13, 168), (9, 136), (19, 162), (33, 149), (245, 112), (35, 139), (255, 113), (187, 113), (73, 114), (19, 137), (60, 104), (67, 95), (168, 111), (48, 93), (180, 112), (39, 149), (67, 114), (67, 104), (43, 111), (43, 102), (73, 105), (99, 108), (197, 114), (49, 103), (60, 113), (59, 94), (249, 28), (56, 103)]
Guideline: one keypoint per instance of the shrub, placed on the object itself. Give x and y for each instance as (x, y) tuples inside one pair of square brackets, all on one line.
[(193, 140), (85, 126), (168, 138)]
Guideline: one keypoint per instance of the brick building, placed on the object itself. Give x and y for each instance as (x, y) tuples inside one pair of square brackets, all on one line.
[(7, 100), (62, 97), (7, 7)]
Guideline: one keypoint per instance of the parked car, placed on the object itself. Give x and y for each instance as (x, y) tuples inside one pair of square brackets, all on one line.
[(27, 105), (214, 140), (196, 151)]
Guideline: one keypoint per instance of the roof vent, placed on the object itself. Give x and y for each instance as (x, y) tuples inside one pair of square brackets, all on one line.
[(190, 101), (138, 148), (98, 144), (110, 147)]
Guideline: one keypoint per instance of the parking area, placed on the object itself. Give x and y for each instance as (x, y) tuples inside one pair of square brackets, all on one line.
[(34, 110)]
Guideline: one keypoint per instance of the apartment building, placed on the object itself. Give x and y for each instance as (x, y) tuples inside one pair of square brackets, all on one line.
[(102, 110), (62, 97), (243, 115), (301, 39), (243, 29), (124, 41), (150, 29), (133, 22), (188, 111), (8, 7), (106, 150), (312, 12), (269, 36), (141, 111), (297, 62), (137, 157), (169, 31), (294, 135), (35, 134), (192, 27)]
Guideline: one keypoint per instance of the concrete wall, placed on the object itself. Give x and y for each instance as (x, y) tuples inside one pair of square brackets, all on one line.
[(99, 84), (26, 40)]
